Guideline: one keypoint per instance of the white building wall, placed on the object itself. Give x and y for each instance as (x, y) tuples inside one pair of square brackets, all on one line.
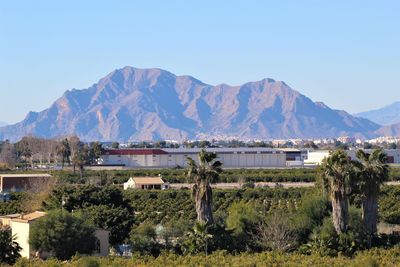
[(316, 157), (230, 160), (21, 231)]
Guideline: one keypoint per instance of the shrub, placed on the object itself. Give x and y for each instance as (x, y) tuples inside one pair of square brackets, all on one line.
[(62, 234)]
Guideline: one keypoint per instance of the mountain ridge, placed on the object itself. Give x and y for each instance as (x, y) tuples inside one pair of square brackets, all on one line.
[(387, 115), (153, 104)]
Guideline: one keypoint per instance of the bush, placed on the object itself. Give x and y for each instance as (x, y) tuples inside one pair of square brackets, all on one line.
[(143, 240), (324, 240), (62, 234), (389, 205), (9, 249)]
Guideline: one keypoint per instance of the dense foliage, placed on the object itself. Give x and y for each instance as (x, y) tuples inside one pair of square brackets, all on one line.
[(389, 204), (14, 204), (374, 257), (174, 205), (104, 206), (178, 175), (9, 249), (62, 234)]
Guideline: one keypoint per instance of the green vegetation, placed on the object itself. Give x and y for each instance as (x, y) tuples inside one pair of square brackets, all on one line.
[(179, 175), (9, 249), (63, 234), (203, 175), (14, 205), (105, 207), (389, 204), (373, 257)]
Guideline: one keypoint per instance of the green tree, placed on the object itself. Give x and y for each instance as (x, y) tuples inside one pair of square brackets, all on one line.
[(203, 174), (95, 151), (117, 220), (81, 158), (143, 239), (336, 172), (62, 234), (24, 151), (244, 220), (104, 206), (197, 239), (9, 249), (373, 171), (64, 150)]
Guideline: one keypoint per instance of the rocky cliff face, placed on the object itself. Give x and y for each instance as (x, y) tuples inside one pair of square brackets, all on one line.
[(153, 104)]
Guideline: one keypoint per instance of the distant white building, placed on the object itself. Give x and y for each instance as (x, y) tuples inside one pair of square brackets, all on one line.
[(145, 183), (316, 157)]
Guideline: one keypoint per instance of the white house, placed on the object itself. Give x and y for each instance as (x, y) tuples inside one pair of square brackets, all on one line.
[(154, 182)]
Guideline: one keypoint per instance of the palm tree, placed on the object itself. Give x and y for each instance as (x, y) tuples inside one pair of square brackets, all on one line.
[(336, 172), (64, 150), (203, 174), (373, 171)]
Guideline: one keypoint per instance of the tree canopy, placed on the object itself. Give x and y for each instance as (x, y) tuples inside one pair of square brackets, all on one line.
[(62, 234)]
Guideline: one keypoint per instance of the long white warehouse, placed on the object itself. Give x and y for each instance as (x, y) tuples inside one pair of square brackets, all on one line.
[(316, 157), (230, 157)]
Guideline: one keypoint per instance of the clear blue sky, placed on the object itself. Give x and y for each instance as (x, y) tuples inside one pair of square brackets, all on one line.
[(344, 53)]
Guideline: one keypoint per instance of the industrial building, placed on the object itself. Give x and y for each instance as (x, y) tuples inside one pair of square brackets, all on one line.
[(316, 157), (230, 157)]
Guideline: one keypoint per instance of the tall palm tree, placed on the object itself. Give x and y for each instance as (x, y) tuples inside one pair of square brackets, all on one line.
[(373, 171), (203, 174), (336, 172)]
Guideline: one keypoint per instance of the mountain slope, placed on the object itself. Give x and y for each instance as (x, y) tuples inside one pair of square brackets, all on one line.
[(389, 130), (385, 116), (151, 104), (3, 123)]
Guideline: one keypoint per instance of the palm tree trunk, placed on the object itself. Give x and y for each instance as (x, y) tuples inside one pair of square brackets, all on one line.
[(340, 212), (370, 213), (203, 196), (81, 171)]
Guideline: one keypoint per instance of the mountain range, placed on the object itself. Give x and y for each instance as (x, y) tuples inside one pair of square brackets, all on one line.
[(154, 104), (385, 116), (2, 123)]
